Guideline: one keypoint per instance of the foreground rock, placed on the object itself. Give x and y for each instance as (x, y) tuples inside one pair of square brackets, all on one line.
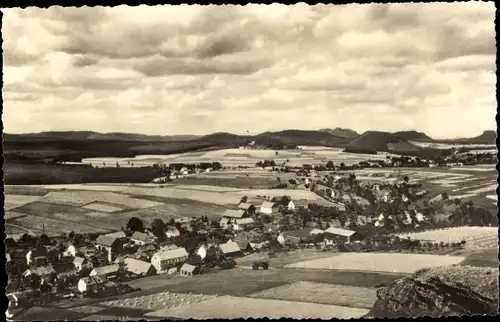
[(441, 291)]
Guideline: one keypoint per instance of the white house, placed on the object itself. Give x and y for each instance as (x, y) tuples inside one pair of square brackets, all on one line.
[(164, 259), (202, 251), (70, 251), (268, 207), (91, 283), (108, 270), (291, 205), (230, 248), (281, 239)]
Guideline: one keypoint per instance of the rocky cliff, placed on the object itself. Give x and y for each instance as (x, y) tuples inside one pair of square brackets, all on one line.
[(443, 291)]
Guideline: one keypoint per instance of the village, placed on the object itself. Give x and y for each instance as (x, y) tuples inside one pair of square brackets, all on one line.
[(352, 217)]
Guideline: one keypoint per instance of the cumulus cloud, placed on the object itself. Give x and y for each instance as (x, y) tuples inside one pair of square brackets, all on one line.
[(200, 69)]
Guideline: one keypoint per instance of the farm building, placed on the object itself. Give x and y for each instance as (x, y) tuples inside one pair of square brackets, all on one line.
[(247, 207), (91, 284), (335, 235), (244, 246), (120, 235), (268, 207), (65, 270), (139, 238), (109, 271), (37, 256), (234, 214), (70, 251), (164, 259), (80, 262), (244, 223), (172, 232), (190, 270), (111, 245), (41, 271), (230, 249), (138, 267), (295, 237)]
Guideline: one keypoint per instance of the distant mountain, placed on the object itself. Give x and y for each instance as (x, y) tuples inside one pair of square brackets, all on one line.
[(413, 136), (381, 141), (90, 135), (341, 132), (488, 137), (301, 137)]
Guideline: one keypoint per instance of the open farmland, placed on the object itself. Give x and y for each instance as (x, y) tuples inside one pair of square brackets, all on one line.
[(475, 237), (351, 296), (229, 307), (379, 262), (242, 157), (163, 300)]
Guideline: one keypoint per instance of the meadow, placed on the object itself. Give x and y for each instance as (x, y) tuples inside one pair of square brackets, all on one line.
[(379, 262), (229, 307)]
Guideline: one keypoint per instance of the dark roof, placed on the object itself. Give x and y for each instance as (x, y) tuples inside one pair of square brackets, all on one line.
[(245, 206), (42, 270)]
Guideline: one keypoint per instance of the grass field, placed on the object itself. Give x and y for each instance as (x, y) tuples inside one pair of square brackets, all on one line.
[(481, 258), (283, 259), (228, 307), (475, 237), (379, 262), (163, 300), (351, 296)]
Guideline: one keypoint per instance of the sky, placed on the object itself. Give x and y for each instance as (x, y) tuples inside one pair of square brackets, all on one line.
[(168, 70)]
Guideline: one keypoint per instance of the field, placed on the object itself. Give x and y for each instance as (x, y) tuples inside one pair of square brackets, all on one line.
[(475, 237), (351, 296), (238, 179), (244, 157), (227, 307), (379, 262), (158, 301)]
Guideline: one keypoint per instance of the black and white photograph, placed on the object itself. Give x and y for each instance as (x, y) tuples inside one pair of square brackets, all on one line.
[(296, 161)]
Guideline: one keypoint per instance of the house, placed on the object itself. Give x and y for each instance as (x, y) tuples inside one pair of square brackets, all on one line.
[(91, 284), (138, 267), (37, 256), (110, 244), (225, 223), (230, 249), (296, 237), (109, 271), (41, 271), (245, 223), (247, 207), (167, 258), (335, 235), (120, 235), (291, 206), (70, 251), (234, 214), (139, 238), (244, 246), (190, 270), (362, 220), (80, 263), (268, 207), (172, 232)]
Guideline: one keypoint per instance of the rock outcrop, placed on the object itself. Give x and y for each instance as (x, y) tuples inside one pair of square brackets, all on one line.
[(443, 291)]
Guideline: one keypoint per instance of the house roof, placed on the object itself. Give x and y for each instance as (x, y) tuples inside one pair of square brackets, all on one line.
[(224, 220), (245, 221), (268, 204), (271, 226), (298, 234), (232, 213), (108, 269), (40, 251), (141, 237), (117, 234), (188, 268), (247, 236), (105, 240), (245, 206), (171, 253), (229, 247), (64, 268), (94, 280), (136, 266), (340, 231), (242, 244), (42, 270)]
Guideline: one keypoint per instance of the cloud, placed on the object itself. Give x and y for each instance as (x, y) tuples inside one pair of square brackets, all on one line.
[(199, 69)]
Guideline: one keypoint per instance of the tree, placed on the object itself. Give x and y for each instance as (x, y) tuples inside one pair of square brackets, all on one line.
[(244, 199), (135, 224), (330, 165), (406, 179), (158, 227), (44, 239)]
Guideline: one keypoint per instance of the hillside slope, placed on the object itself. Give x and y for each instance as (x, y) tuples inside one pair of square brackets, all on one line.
[(413, 136), (381, 141), (487, 137), (301, 137), (90, 135), (441, 291)]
